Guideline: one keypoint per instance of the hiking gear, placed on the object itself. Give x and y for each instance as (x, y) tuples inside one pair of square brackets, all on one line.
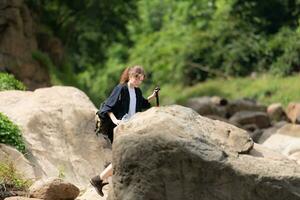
[(104, 127), (156, 95), (98, 184)]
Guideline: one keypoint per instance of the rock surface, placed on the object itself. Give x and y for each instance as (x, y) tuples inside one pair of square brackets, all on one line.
[(293, 112), (285, 140), (57, 124), (53, 189), (18, 42), (11, 155), (173, 153), (276, 112), (260, 119), (21, 198)]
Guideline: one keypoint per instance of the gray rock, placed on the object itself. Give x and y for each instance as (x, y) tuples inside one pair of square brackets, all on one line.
[(57, 125), (270, 131), (276, 112), (18, 41), (53, 189), (254, 132), (260, 119), (181, 155), (208, 106), (244, 105), (21, 198), (293, 112), (284, 140)]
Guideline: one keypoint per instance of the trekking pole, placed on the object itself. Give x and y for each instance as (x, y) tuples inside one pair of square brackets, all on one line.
[(156, 95)]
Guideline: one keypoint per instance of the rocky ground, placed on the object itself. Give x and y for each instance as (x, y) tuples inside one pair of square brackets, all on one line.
[(233, 150)]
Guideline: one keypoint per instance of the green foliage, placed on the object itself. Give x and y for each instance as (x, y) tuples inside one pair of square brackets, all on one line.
[(165, 36), (10, 134), (11, 179), (229, 37), (96, 83), (92, 32), (8, 82), (268, 16), (176, 41), (59, 76), (86, 27), (61, 172), (266, 89), (229, 46), (284, 52)]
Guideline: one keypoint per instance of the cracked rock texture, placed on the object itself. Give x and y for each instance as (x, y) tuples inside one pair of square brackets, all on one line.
[(172, 153)]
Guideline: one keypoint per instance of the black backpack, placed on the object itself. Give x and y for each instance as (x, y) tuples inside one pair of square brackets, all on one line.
[(104, 125), (101, 122)]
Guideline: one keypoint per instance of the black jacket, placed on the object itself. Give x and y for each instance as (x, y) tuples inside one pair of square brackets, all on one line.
[(118, 102)]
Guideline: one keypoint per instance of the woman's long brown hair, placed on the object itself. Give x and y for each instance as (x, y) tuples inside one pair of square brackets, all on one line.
[(131, 71)]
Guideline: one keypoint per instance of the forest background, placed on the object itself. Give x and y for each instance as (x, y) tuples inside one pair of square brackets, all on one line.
[(188, 47), (229, 48)]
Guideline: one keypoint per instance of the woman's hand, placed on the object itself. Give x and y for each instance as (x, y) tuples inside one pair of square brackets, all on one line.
[(156, 90), (114, 119), (117, 122)]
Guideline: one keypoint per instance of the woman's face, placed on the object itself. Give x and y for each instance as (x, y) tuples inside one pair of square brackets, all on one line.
[(136, 79)]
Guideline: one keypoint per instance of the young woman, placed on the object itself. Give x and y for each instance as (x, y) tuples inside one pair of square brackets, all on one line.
[(125, 100)]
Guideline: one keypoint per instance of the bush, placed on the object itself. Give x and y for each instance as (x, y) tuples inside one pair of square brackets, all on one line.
[(283, 52), (11, 179), (165, 37), (265, 89), (191, 41), (8, 82), (10, 134)]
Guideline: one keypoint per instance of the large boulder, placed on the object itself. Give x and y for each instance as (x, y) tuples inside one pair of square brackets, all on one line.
[(57, 124), (53, 189), (285, 140), (276, 112), (18, 42), (91, 194), (293, 112), (261, 151), (244, 105), (173, 153), (270, 131), (242, 118), (208, 106)]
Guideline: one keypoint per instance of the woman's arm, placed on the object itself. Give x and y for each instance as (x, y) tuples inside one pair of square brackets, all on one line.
[(151, 96), (111, 101), (156, 90)]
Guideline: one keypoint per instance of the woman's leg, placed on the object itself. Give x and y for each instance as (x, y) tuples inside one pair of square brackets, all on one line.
[(98, 181), (107, 172)]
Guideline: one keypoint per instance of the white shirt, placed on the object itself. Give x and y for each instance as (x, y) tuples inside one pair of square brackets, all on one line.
[(132, 104)]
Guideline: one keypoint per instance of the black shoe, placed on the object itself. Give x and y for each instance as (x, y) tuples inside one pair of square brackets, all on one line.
[(98, 185)]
